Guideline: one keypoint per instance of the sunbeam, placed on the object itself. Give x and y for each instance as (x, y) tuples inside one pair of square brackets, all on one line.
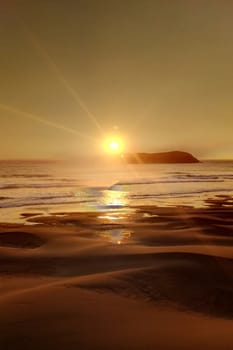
[(56, 70), (44, 121)]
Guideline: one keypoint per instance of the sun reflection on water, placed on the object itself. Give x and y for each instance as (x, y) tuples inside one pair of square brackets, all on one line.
[(114, 198)]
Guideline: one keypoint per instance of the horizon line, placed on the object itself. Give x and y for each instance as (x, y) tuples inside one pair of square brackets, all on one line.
[(61, 159)]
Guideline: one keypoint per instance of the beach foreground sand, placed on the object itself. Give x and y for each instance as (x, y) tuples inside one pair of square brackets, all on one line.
[(147, 278)]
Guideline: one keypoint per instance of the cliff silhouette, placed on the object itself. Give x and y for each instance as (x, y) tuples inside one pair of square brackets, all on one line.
[(162, 157)]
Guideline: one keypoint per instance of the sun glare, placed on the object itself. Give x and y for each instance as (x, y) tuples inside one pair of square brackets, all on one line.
[(113, 145)]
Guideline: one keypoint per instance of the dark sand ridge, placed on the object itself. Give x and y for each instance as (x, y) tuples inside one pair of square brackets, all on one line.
[(169, 285), (20, 240), (182, 280), (66, 317)]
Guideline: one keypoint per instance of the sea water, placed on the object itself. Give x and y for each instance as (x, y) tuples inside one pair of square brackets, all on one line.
[(43, 187)]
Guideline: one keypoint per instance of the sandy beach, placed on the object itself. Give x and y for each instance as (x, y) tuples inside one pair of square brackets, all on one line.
[(116, 175), (153, 278)]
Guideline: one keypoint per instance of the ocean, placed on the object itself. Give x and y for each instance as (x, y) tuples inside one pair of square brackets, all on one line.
[(43, 187)]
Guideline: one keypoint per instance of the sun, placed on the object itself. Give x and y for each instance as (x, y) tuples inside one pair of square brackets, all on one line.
[(113, 145)]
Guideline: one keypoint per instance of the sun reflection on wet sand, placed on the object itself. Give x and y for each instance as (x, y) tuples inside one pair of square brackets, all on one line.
[(117, 236), (111, 217), (115, 205)]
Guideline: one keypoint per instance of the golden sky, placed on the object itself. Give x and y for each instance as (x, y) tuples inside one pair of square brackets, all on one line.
[(158, 73)]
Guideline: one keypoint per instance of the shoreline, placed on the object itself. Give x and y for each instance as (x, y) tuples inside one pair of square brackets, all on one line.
[(20, 214)]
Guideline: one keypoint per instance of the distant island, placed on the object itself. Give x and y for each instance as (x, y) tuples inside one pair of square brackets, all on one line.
[(162, 157)]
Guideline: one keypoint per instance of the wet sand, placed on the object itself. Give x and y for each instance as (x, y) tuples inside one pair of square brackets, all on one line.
[(146, 278)]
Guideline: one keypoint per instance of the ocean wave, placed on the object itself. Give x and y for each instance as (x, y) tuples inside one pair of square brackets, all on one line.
[(53, 196), (176, 194), (2, 198), (25, 176), (151, 182), (209, 176), (178, 178), (37, 185), (23, 203), (181, 174)]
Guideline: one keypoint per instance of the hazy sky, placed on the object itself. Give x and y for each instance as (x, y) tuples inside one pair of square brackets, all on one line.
[(160, 73)]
